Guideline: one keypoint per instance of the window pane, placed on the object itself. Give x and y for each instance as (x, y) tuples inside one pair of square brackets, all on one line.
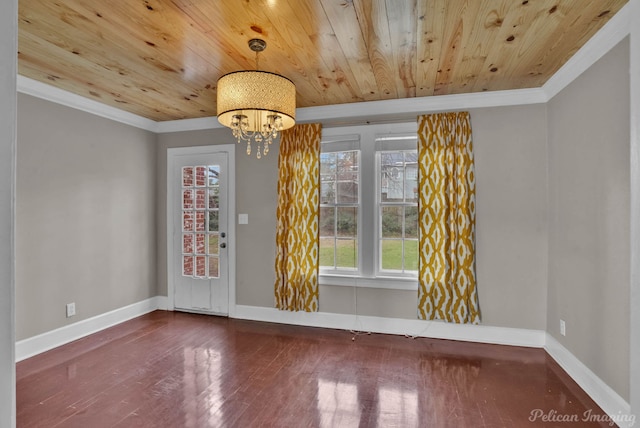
[(347, 254), (410, 255), (201, 199), (347, 177), (214, 173), (391, 176), (201, 176), (187, 199), (411, 222), (212, 244), (411, 177), (327, 164), (392, 222), (214, 199), (201, 269), (328, 192), (187, 221), (187, 265), (347, 162), (187, 243), (327, 252), (213, 221), (391, 254), (347, 190), (327, 178), (347, 222), (187, 176), (411, 191), (327, 221), (200, 243), (200, 221)]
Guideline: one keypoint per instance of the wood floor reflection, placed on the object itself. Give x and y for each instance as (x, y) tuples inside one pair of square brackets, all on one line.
[(169, 369)]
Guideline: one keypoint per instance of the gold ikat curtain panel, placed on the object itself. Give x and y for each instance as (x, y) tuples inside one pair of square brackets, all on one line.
[(297, 234), (446, 205)]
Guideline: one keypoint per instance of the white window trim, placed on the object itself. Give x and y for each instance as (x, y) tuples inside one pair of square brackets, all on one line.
[(367, 275)]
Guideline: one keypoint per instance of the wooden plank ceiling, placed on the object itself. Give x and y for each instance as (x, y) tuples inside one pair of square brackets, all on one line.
[(160, 59)]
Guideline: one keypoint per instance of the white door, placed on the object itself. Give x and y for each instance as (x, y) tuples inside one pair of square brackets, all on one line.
[(198, 218)]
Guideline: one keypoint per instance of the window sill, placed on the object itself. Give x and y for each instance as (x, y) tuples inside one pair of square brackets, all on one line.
[(390, 283)]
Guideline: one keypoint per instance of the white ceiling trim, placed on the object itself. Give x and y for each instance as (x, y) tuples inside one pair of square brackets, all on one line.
[(372, 111), (409, 108), (210, 122), (60, 96)]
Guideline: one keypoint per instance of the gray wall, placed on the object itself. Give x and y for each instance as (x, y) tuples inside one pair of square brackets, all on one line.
[(85, 228), (9, 37), (589, 245), (510, 147), (511, 221)]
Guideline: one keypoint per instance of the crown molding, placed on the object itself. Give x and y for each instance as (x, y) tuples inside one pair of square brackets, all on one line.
[(371, 111), (43, 91), (596, 47), (200, 123), (409, 108)]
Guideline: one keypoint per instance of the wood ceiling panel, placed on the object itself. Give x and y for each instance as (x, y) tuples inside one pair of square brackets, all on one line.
[(481, 31), (161, 59), (343, 21), (337, 76), (459, 21), (402, 28), (374, 26), (430, 36)]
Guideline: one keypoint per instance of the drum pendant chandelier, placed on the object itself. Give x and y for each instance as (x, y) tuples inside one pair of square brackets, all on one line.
[(256, 105)]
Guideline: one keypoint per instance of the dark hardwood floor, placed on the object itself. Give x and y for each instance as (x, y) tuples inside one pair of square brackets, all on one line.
[(169, 369)]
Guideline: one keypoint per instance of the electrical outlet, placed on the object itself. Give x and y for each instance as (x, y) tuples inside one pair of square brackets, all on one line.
[(71, 309), (563, 328)]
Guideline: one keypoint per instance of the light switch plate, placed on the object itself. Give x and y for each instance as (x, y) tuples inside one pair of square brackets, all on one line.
[(243, 218)]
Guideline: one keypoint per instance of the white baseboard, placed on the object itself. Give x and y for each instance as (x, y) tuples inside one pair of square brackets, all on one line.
[(43, 342), (613, 404), (418, 328)]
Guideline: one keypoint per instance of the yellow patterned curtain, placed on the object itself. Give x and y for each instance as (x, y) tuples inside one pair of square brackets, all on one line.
[(447, 272), (297, 236)]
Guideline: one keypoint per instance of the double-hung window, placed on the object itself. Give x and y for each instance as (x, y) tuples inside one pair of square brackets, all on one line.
[(340, 205), (369, 206)]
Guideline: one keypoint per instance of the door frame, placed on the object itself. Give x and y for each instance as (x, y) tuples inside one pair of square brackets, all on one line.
[(172, 154)]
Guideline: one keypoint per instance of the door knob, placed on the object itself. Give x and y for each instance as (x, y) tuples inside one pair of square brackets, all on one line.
[(223, 245), (222, 234)]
